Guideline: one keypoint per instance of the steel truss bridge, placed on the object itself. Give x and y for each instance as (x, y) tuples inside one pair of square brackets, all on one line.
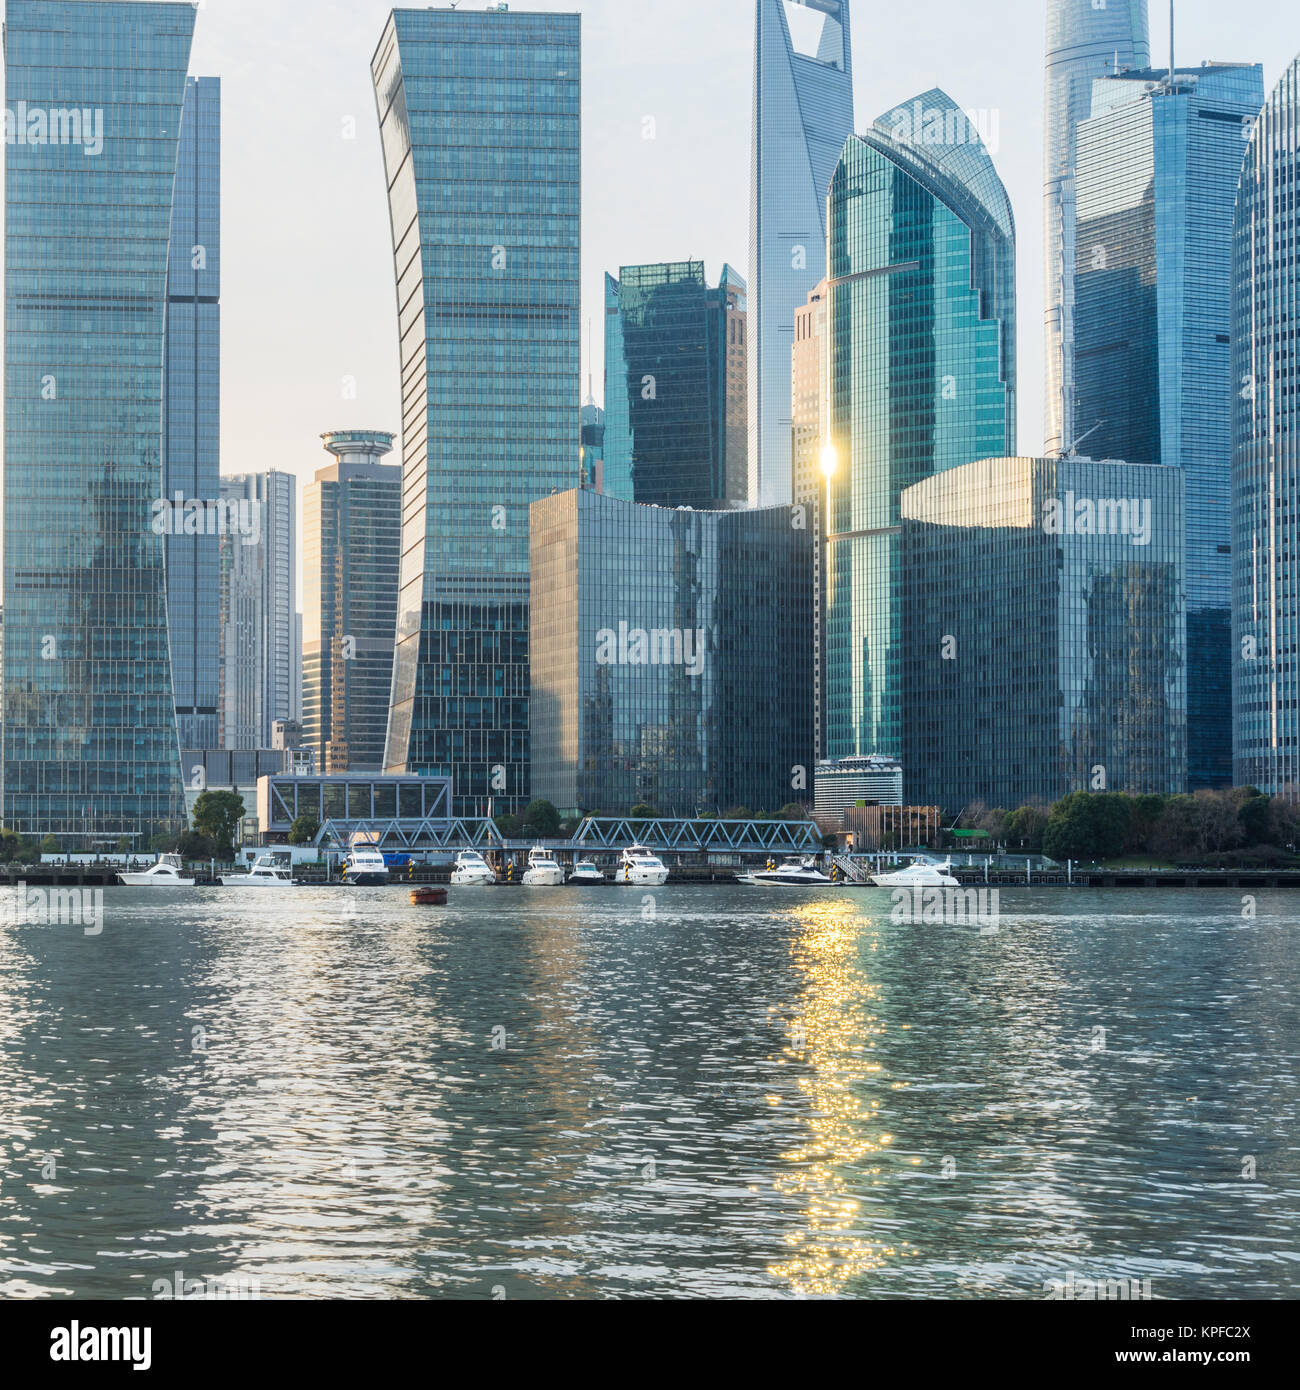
[(595, 833)]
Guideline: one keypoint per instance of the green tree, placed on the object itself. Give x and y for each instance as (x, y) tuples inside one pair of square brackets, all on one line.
[(304, 830), (1087, 825), (192, 845), (738, 813), (1024, 828), (217, 816), (642, 811), (1254, 812), (49, 845), (542, 819), (1144, 815), (794, 810), (507, 824)]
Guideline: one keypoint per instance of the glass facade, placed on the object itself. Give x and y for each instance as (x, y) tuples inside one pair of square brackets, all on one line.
[(1085, 40), (479, 116), (1266, 454), (921, 377), (672, 656), (1044, 632), (192, 412), (675, 359), (90, 743), (352, 531), (803, 114), (1155, 185), (260, 636)]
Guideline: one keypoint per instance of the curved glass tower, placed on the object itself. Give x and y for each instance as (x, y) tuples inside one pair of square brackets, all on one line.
[(479, 115), (921, 361), (90, 743), (803, 113), (1085, 40), (1266, 450)]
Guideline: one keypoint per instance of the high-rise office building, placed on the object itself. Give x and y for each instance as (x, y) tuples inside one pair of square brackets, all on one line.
[(803, 113), (479, 114), (192, 413), (1156, 177), (352, 531), (1266, 450), (94, 93), (1085, 40), (592, 446), (1043, 641), (671, 656), (675, 387), (810, 413), (259, 616), (921, 378)]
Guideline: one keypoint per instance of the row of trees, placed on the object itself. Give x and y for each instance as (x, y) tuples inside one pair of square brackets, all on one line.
[(1240, 823)]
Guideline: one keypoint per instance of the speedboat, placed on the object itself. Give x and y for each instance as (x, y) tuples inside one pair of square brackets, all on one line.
[(365, 865), (920, 874), (638, 865), (166, 873), (265, 873), (472, 870), (802, 873), (585, 873), (542, 870)]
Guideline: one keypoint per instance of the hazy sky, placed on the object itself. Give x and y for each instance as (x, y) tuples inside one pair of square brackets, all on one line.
[(308, 295)]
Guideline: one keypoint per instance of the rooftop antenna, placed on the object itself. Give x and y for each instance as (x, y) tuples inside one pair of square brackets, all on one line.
[(1171, 46), (591, 394)]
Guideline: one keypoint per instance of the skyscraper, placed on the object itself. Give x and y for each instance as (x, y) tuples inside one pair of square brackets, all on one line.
[(352, 525), (675, 385), (192, 412), (1156, 179), (1043, 640), (803, 113), (1085, 40), (259, 616), (96, 93), (671, 660), (1266, 450), (921, 377), (479, 114)]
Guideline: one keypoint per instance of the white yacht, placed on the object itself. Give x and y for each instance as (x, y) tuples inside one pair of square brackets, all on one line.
[(802, 873), (166, 873), (920, 874), (542, 870), (365, 865), (472, 870), (585, 873), (265, 873), (638, 865)]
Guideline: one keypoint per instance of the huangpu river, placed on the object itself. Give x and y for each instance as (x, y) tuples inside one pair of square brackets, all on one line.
[(692, 1091)]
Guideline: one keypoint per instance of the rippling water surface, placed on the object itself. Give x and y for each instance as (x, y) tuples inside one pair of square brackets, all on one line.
[(708, 1091)]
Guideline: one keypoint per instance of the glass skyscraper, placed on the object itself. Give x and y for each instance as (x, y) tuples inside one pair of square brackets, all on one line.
[(1266, 450), (672, 656), (352, 531), (675, 385), (90, 743), (260, 635), (1085, 40), (479, 115), (803, 114), (1155, 184), (192, 412), (921, 377), (1043, 645)]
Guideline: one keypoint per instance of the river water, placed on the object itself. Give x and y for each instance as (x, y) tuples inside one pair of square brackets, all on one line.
[(700, 1091)]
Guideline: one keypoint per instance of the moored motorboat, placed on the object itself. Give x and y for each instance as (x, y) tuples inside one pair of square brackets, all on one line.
[(638, 865), (166, 873), (586, 874), (919, 874), (795, 873), (266, 872), (543, 871), (365, 865), (472, 870)]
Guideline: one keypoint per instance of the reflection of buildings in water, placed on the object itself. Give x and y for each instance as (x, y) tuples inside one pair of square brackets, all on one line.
[(831, 1037)]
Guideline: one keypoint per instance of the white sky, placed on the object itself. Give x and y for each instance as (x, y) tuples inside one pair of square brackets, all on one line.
[(307, 289)]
